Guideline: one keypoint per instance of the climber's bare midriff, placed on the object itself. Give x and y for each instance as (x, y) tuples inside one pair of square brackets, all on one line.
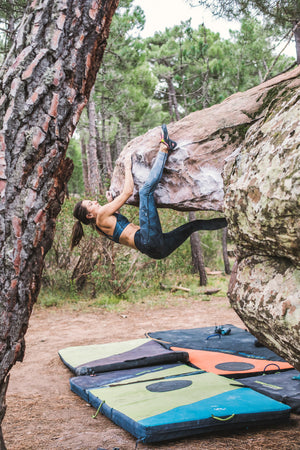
[(127, 235), (108, 225)]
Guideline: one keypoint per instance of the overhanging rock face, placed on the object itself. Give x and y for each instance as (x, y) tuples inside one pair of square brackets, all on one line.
[(249, 148), (192, 178)]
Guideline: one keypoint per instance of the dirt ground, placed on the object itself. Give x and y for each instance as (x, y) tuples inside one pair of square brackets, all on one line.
[(44, 414)]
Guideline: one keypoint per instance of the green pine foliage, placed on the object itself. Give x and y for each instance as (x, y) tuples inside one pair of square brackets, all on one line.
[(279, 12)]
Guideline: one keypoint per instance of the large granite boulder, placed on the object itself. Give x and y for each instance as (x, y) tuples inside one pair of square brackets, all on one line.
[(193, 175), (262, 204), (248, 147)]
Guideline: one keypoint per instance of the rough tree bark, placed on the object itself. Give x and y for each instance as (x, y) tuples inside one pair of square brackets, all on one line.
[(45, 84)]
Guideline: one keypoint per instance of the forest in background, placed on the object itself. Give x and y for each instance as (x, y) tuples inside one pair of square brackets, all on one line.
[(141, 84)]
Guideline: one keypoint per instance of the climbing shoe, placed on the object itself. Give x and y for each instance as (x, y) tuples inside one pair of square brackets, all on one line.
[(171, 145)]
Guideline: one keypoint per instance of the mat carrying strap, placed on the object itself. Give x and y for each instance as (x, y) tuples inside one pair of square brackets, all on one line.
[(98, 410), (223, 419)]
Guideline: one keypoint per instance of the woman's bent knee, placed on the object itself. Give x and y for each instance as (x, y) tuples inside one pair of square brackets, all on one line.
[(145, 190)]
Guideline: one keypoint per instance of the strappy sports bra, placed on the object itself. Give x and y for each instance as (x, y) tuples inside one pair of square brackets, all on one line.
[(121, 224)]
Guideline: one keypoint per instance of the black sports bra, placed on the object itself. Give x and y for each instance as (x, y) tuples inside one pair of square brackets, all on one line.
[(121, 224)]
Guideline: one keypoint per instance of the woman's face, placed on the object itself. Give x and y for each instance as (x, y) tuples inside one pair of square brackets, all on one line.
[(92, 207)]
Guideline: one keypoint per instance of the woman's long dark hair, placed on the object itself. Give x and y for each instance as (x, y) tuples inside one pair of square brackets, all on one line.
[(80, 213)]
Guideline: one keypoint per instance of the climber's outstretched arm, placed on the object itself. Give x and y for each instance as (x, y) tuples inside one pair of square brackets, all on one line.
[(115, 204)]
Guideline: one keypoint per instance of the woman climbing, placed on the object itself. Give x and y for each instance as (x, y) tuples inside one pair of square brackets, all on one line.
[(148, 238)]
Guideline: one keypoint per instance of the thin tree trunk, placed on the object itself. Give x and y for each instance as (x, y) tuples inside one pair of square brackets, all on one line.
[(205, 100), (106, 149), (109, 166), (103, 127), (103, 137), (128, 129), (183, 89), (93, 169), (296, 31), (84, 166), (11, 31), (45, 84), (225, 253), (170, 105), (100, 152), (197, 254), (173, 99)]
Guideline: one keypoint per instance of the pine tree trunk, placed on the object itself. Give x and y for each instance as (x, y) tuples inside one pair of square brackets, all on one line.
[(84, 166), (128, 129), (93, 169), (197, 254), (11, 31), (225, 253), (109, 165), (205, 100), (297, 40), (100, 152), (106, 149), (45, 84), (170, 105), (173, 99)]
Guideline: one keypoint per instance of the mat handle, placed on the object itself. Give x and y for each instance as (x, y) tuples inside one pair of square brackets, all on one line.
[(98, 410), (272, 364), (213, 335), (223, 419)]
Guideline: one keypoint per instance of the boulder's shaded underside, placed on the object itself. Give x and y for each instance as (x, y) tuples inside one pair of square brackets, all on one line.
[(242, 157)]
